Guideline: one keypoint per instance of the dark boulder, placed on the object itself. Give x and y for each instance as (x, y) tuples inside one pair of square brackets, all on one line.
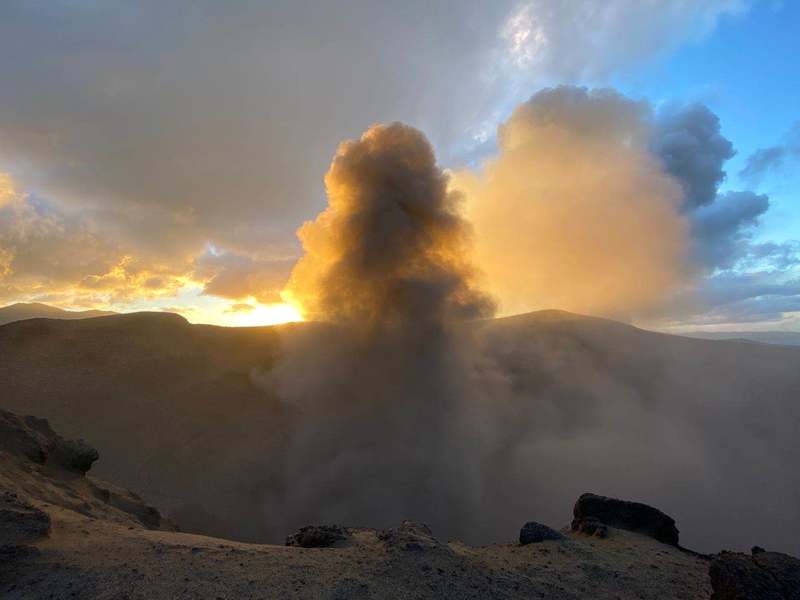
[(762, 576), (533, 533), (317, 536), (76, 455), (632, 516)]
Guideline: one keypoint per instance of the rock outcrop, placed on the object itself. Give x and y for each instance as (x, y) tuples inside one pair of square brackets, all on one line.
[(409, 536), (33, 438), (533, 533), (39, 468), (591, 510), (317, 536), (762, 576)]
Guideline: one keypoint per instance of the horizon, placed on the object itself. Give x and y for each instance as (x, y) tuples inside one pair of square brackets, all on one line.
[(281, 320)]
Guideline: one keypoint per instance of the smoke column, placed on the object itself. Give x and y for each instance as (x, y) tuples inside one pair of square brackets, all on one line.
[(388, 429)]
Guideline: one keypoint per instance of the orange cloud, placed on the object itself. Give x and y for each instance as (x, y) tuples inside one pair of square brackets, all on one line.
[(574, 212)]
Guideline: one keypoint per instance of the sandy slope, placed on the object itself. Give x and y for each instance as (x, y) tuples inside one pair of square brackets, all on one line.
[(89, 557)]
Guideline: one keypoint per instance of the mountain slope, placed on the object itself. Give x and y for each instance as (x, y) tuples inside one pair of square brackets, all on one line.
[(187, 415), (36, 310)]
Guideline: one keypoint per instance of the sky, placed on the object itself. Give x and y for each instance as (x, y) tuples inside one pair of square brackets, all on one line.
[(162, 156)]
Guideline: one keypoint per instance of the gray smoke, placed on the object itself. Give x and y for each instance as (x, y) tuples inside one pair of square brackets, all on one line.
[(689, 142), (389, 394)]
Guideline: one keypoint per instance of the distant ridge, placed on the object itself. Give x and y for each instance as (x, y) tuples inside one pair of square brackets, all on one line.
[(782, 338), (36, 310)]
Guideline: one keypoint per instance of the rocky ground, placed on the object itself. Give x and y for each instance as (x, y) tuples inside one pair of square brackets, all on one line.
[(66, 535)]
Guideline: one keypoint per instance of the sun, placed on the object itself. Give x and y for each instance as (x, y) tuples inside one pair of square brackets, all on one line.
[(266, 314)]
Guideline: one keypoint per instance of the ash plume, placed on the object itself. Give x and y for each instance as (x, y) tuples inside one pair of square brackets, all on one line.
[(386, 431), (391, 246), (405, 403)]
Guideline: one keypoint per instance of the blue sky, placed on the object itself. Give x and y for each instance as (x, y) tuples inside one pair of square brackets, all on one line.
[(747, 72)]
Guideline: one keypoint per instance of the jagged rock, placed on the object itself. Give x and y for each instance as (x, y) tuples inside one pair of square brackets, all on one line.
[(34, 439), (633, 516), (762, 576), (317, 536), (409, 536), (533, 533), (76, 455), (27, 440), (590, 526)]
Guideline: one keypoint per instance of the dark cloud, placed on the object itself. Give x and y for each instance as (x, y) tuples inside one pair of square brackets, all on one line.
[(689, 142), (764, 160), (730, 297), (722, 229)]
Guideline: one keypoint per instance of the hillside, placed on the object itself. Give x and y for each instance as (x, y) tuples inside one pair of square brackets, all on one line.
[(36, 310), (181, 413)]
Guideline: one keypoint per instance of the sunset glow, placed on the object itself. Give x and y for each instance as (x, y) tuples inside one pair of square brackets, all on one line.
[(264, 314)]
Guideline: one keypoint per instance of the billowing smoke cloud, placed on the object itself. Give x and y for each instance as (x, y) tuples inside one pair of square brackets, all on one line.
[(403, 405), (391, 246), (576, 212), (388, 392), (720, 230), (689, 142)]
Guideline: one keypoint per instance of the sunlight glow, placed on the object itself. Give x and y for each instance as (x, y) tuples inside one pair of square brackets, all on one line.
[(265, 314)]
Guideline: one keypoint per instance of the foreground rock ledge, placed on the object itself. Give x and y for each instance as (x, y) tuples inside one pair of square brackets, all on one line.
[(106, 543), (591, 510), (762, 576)]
